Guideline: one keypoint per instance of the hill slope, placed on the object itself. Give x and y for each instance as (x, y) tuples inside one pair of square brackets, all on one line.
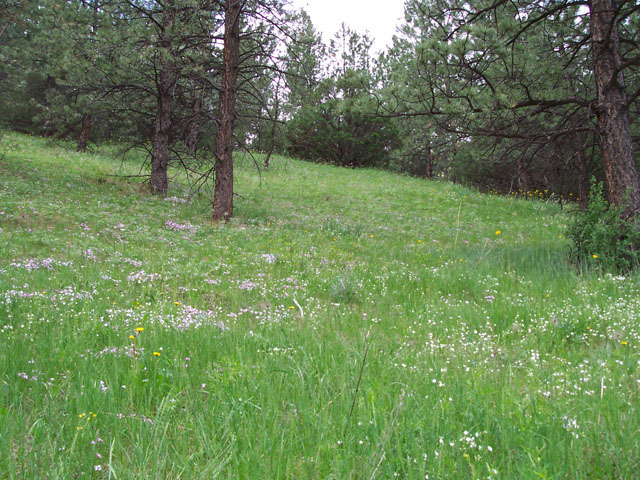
[(346, 324)]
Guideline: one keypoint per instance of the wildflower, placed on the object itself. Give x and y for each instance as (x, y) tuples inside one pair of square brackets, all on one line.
[(176, 303), (498, 232), (623, 343), (291, 307), (97, 468), (588, 328), (269, 257), (559, 236), (156, 354), (419, 241), (139, 329), (371, 236), (594, 255), (132, 337)]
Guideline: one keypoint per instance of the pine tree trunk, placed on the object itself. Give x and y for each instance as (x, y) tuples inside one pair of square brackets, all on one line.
[(166, 79), (159, 181), (47, 127), (193, 130), (429, 162), (612, 111), (524, 179), (223, 189), (84, 133), (272, 144), (583, 172)]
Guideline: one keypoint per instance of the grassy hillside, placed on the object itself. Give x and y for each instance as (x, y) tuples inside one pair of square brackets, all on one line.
[(346, 324)]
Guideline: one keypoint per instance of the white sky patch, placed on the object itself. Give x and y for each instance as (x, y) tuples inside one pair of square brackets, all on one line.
[(379, 17)]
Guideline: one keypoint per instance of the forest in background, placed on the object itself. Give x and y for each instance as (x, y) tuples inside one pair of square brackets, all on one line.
[(524, 97)]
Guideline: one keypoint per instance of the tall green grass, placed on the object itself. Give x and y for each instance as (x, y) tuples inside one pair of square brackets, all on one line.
[(487, 355)]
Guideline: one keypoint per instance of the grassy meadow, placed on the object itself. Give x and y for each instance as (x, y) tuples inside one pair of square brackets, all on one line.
[(347, 324)]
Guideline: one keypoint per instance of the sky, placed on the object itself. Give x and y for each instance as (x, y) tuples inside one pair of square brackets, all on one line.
[(379, 17)]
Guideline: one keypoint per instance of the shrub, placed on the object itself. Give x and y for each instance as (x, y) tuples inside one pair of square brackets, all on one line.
[(601, 237)]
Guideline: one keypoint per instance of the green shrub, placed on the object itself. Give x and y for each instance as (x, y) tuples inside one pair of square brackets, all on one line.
[(601, 237)]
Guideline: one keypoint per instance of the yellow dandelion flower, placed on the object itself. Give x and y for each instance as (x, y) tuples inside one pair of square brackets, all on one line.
[(588, 328), (291, 307), (139, 329), (371, 235), (623, 343), (594, 255), (498, 232), (176, 303), (132, 337), (156, 354)]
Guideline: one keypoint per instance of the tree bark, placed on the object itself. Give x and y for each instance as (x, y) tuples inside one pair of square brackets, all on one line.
[(84, 133), (272, 144), (429, 161), (47, 127), (612, 111), (159, 181), (86, 117), (524, 179), (582, 165), (223, 189), (166, 79), (193, 130)]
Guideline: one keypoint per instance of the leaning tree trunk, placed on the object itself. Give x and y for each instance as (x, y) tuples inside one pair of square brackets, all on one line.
[(84, 133), (223, 189), (621, 172)]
